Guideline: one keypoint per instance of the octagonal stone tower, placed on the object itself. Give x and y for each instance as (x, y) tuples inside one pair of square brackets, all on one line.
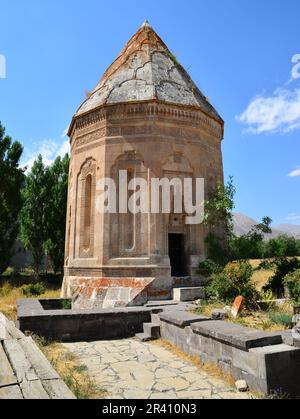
[(145, 116)]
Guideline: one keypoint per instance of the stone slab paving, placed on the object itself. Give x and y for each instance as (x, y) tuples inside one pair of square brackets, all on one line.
[(130, 369)]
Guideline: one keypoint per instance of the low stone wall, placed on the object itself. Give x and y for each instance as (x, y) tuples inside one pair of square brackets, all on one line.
[(25, 373), (261, 359), (78, 325)]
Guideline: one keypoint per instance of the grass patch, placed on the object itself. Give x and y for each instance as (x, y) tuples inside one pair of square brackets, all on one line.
[(275, 321), (73, 373), (10, 293), (283, 319)]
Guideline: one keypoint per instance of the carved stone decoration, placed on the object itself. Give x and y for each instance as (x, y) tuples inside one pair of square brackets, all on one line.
[(86, 186)]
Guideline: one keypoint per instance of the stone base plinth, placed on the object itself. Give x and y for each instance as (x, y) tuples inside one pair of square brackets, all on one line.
[(111, 292)]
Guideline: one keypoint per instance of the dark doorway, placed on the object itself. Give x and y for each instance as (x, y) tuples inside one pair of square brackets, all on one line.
[(177, 255)]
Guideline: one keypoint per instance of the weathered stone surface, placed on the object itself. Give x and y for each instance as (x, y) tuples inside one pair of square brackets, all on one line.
[(241, 386), (25, 373), (188, 293), (8, 329), (33, 390), (75, 325), (181, 318), (219, 315), (236, 335), (287, 337), (7, 376), (19, 362), (146, 70), (37, 359), (166, 377), (296, 319), (57, 390), (10, 393)]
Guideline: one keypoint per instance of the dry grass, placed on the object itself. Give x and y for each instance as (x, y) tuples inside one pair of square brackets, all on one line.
[(260, 278), (256, 319), (73, 373), (260, 321), (210, 369), (9, 296)]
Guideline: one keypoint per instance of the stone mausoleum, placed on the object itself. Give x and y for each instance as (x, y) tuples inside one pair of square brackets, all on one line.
[(148, 117)]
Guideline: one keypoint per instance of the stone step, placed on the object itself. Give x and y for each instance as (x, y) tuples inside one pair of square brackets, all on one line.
[(152, 329)]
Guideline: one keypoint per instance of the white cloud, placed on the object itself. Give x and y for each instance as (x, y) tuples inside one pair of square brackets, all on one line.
[(296, 67), (49, 150), (279, 112), (295, 173)]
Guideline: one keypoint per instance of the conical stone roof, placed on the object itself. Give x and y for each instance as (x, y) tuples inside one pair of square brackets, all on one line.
[(146, 70)]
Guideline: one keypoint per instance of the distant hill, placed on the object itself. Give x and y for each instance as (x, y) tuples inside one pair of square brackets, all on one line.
[(292, 229), (243, 224)]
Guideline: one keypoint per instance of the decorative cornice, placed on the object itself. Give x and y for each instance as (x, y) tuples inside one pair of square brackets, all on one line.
[(149, 109)]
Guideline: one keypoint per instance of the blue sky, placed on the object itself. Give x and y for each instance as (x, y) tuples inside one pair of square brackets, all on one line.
[(239, 52)]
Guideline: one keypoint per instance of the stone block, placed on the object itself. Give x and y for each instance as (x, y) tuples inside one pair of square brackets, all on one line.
[(241, 386), (188, 294), (236, 335), (181, 318), (282, 365), (219, 315)]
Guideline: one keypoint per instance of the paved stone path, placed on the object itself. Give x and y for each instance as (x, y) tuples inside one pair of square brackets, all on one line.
[(130, 369)]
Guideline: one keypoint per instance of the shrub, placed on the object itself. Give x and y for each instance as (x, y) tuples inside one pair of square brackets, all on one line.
[(234, 280), (208, 268), (67, 304), (6, 289), (284, 267), (268, 298), (34, 289), (283, 319), (292, 283), (266, 265)]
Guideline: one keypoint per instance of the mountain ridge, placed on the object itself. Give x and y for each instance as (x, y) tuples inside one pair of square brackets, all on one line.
[(243, 224)]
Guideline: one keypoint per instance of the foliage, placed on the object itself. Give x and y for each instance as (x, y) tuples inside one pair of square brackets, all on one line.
[(284, 266), (232, 281), (268, 298), (33, 214), (283, 319), (292, 283), (43, 216), (282, 246), (67, 304), (56, 209), (250, 245), (34, 290), (10, 195), (208, 268), (265, 265), (218, 217)]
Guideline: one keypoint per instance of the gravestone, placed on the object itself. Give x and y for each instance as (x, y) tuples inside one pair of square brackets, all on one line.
[(237, 306)]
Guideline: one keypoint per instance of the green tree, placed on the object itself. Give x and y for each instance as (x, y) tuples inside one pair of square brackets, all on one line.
[(284, 266), (219, 220), (56, 212), (251, 245), (282, 246), (33, 213), (11, 177), (234, 280)]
